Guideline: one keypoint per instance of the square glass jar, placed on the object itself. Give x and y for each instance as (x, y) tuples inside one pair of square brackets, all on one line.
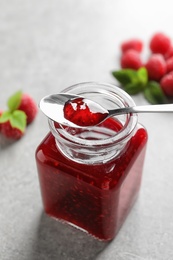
[(90, 177)]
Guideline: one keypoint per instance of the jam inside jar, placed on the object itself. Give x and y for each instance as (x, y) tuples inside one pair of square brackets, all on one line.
[(90, 177)]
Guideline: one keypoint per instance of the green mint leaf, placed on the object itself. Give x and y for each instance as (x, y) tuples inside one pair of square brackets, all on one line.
[(125, 76), (18, 120), (133, 81), (133, 88), (142, 76), (5, 116), (154, 94), (14, 101)]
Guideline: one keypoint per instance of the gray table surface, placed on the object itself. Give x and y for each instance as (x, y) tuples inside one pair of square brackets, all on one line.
[(46, 46)]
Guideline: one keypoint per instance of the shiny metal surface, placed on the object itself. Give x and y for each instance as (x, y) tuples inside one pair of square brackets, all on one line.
[(52, 106)]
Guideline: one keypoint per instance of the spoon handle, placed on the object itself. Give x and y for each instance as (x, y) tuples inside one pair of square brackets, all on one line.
[(167, 108)]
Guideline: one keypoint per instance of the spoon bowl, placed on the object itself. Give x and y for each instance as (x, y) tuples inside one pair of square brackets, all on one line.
[(77, 111), (53, 107)]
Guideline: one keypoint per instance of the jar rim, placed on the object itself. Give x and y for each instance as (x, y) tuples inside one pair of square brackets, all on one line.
[(105, 88)]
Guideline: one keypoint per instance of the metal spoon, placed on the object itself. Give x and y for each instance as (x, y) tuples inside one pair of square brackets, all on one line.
[(52, 106)]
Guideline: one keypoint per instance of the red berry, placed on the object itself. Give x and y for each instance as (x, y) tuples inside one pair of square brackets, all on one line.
[(131, 59), (166, 84), (134, 44), (28, 106), (0, 116), (156, 67), (8, 131), (160, 43), (169, 53), (169, 64)]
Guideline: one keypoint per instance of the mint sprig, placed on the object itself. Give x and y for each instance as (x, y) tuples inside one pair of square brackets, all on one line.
[(17, 118), (154, 94), (125, 76), (133, 81), (136, 81), (5, 116), (14, 101)]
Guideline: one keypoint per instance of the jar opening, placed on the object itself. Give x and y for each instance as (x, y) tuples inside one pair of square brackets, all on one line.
[(113, 130), (101, 143)]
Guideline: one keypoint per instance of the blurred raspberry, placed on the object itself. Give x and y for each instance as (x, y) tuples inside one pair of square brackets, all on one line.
[(166, 84), (0, 116), (160, 43), (156, 67), (169, 64), (8, 131), (131, 59), (28, 106), (134, 44), (169, 53)]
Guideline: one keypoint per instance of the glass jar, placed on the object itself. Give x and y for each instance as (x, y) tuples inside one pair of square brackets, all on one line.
[(90, 177)]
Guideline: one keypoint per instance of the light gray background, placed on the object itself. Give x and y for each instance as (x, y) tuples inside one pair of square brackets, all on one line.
[(45, 46)]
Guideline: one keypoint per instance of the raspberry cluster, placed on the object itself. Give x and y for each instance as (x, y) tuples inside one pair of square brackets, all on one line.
[(159, 64), (22, 110)]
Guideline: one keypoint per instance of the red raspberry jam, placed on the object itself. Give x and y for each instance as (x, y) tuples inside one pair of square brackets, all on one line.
[(94, 197), (83, 112), (90, 176)]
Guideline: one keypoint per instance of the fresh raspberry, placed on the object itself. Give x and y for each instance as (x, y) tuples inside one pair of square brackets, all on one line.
[(8, 131), (166, 84), (28, 106), (131, 60), (160, 43), (156, 67), (169, 64), (0, 116), (169, 53), (134, 44)]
